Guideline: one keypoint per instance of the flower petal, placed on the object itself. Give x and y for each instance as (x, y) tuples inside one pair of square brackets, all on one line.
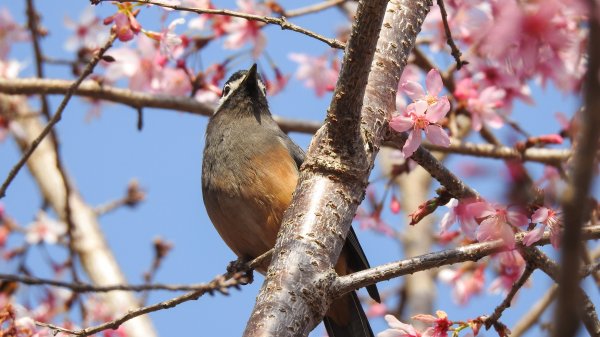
[(412, 143), (533, 236), (434, 82), (413, 89), (401, 123), (540, 215), (437, 135), (438, 110)]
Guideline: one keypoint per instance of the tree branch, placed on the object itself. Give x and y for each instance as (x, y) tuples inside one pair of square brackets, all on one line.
[(334, 175), (453, 184), (472, 252), (541, 155), (134, 99), (575, 205), (535, 312), (282, 22), (586, 310), (493, 318), (219, 284)]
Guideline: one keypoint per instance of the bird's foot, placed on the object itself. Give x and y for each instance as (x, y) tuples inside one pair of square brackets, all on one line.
[(240, 266)]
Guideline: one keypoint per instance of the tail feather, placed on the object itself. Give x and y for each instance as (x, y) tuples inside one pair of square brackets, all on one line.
[(357, 324)]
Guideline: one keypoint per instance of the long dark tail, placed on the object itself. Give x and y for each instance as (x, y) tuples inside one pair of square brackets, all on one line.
[(346, 318)]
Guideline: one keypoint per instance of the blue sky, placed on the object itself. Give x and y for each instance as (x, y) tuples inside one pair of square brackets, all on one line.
[(104, 154)]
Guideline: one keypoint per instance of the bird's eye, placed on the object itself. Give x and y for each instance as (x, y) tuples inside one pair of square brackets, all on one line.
[(226, 90)]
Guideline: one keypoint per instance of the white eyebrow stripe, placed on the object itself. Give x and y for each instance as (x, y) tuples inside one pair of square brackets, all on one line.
[(233, 85)]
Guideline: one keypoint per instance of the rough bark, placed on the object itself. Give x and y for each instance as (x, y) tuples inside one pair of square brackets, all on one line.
[(297, 290)]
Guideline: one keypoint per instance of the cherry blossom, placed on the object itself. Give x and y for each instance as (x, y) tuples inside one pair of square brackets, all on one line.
[(441, 324), (398, 329), (459, 212), (436, 105), (465, 282), (484, 106), (316, 72), (242, 31), (510, 268), (88, 31), (410, 73), (376, 310), (497, 222), (538, 38), (547, 218), (45, 229), (470, 20), (126, 24), (423, 114), (418, 118), (168, 40), (10, 32)]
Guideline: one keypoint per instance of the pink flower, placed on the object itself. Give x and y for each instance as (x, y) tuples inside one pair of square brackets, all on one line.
[(418, 118), (437, 106), (483, 108), (126, 24), (89, 32), (376, 310), (411, 73), (168, 40), (276, 86), (44, 229), (316, 72), (10, 32), (497, 222), (466, 283), (547, 218), (441, 324), (242, 31), (459, 211), (510, 268), (398, 329)]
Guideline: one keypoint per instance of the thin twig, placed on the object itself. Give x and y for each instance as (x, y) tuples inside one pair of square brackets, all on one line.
[(541, 155), (313, 8), (87, 288), (282, 22), (33, 20), (56, 117), (472, 252), (586, 312), (453, 184), (534, 313), (219, 284), (493, 318), (454, 49)]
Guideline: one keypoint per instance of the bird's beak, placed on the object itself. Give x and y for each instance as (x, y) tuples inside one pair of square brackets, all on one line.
[(250, 81)]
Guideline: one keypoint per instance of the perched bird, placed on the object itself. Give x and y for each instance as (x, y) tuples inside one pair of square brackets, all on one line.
[(249, 172)]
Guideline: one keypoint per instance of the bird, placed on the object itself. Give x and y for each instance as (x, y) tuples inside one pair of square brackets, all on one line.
[(250, 169)]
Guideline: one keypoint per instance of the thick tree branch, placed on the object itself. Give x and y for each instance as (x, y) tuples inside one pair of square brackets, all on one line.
[(472, 252), (134, 99), (575, 206), (334, 175)]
